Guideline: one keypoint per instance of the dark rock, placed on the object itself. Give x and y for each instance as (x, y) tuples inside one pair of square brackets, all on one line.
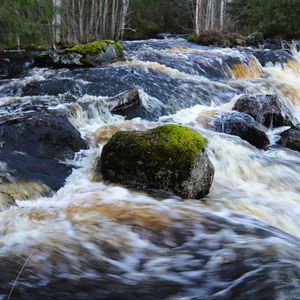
[(43, 134), (33, 147), (296, 44), (265, 109), (53, 87), (15, 63), (170, 157), (271, 56), (291, 138), (275, 44), (58, 60), (242, 125)]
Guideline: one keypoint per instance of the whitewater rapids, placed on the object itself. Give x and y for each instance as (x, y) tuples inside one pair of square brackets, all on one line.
[(95, 240)]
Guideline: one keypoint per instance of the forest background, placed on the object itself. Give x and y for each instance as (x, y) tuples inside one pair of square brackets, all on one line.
[(32, 23)]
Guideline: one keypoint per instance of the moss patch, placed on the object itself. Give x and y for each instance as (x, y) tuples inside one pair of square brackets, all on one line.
[(94, 47)]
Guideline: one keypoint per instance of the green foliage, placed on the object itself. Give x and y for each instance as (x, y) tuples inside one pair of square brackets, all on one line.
[(149, 17), (26, 22), (276, 17)]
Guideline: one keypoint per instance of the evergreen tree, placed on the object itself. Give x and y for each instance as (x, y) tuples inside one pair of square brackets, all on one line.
[(272, 17), (26, 21), (149, 17)]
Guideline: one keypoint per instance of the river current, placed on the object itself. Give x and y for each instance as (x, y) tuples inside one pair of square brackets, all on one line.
[(96, 240)]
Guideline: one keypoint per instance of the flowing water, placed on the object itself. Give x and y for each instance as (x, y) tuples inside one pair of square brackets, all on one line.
[(96, 240)]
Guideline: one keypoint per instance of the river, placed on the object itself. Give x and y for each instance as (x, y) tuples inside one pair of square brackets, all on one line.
[(96, 240)]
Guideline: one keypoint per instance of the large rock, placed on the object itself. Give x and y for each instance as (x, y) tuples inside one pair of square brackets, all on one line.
[(33, 148), (99, 53), (265, 109), (242, 125), (291, 138), (169, 157), (58, 59)]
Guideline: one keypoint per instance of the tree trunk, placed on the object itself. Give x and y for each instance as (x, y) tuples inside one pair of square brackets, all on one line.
[(104, 24), (81, 19), (57, 22), (222, 15), (124, 9)]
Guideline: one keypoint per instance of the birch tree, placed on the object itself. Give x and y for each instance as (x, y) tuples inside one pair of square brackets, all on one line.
[(56, 21), (88, 20), (210, 15)]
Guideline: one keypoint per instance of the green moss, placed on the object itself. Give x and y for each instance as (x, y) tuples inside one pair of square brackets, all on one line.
[(192, 38), (94, 47), (175, 138), (169, 147), (120, 47)]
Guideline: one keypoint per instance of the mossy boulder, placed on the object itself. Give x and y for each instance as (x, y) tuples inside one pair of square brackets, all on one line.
[(242, 125), (170, 157), (98, 53), (94, 47), (95, 54)]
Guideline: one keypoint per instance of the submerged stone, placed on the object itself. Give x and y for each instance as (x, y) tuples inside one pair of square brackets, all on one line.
[(242, 125), (170, 157)]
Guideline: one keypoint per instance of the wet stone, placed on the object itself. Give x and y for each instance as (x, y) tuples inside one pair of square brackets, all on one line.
[(242, 125), (34, 147), (291, 138), (271, 56), (268, 110)]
